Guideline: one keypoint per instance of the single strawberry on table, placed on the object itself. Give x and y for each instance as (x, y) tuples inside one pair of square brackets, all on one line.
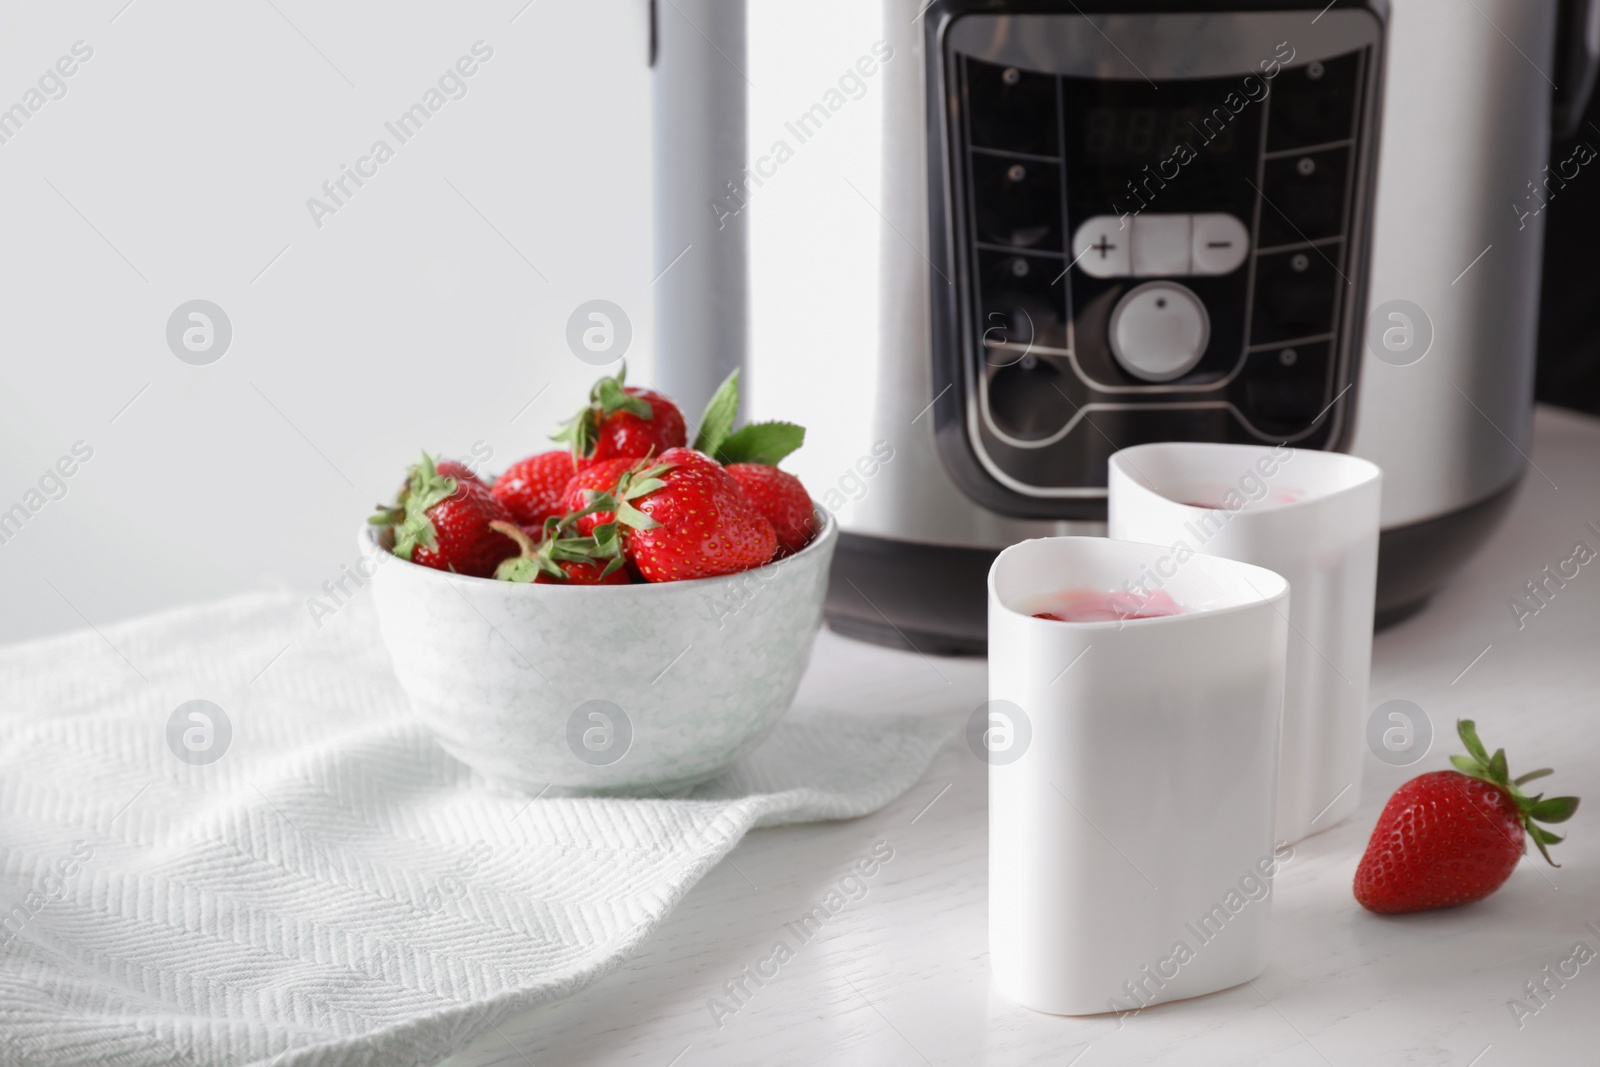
[(1453, 837), (623, 420), (443, 521), (534, 489), (684, 517)]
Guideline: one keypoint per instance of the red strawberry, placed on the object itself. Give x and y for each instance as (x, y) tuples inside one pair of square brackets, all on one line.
[(623, 421), (587, 572), (686, 518), (449, 468), (443, 522), (782, 499), (1453, 837), (598, 477), (532, 489), (557, 559)]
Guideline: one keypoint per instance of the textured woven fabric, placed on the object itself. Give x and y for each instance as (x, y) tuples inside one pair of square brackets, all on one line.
[(333, 888)]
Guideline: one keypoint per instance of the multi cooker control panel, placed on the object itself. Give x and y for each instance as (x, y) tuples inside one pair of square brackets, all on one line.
[(1141, 252)]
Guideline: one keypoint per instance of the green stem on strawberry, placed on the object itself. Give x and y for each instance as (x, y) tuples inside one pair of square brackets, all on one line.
[(546, 555), (557, 544), (408, 516), (631, 486), (1535, 809), (606, 398)]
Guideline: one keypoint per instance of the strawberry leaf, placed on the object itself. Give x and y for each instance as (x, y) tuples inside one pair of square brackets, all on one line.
[(717, 421), (1531, 775), (425, 488), (606, 398), (1545, 852), (1469, 737), (1465, 764), (580, 432), (633, 518), (518, 569), (642, 488), (761, 442), (610, 398), (607, 538), (1555, 809)]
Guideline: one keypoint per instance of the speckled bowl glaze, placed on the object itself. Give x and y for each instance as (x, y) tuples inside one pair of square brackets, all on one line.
[(626, 689)]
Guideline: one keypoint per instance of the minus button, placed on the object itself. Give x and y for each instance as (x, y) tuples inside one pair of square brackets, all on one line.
[(1221, 243)]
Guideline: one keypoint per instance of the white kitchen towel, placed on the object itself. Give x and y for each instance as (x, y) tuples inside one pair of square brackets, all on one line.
[(333, 887)]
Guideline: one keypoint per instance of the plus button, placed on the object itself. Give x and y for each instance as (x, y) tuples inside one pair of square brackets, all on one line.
[(1100, 248)]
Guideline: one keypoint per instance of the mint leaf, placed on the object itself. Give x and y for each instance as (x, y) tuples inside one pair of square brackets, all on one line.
[(761, 442), (717, 421)]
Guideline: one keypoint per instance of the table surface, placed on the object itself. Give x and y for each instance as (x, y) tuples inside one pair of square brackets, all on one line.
[(901, 974)]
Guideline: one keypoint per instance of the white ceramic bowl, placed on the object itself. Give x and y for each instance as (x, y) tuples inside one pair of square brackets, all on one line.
[(631, 688)]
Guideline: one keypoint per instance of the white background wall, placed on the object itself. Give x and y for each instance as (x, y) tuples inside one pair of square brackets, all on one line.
[(178, 165)]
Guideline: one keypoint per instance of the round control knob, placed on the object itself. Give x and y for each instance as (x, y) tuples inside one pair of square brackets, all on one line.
[(1159, 331)]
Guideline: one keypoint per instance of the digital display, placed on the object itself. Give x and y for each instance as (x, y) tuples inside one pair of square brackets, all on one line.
[(1137, 134)]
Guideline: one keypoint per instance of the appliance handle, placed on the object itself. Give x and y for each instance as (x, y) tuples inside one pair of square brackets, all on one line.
[(701, 180), (1578, 63)]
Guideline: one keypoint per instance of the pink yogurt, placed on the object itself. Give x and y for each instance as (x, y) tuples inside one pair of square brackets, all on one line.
[(1092, 605)]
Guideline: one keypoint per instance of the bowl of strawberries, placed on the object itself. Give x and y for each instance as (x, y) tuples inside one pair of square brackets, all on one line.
[(629, 613)]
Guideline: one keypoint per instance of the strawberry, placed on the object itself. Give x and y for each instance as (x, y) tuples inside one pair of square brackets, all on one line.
[(685, 517), (587, 572), (443, 522), (622, 421), (449, 468), (782, 499), (558, 559), (532, 489), (1453, 837), (601, 477)]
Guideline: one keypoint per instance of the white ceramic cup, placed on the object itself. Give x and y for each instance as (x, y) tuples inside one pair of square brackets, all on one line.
[(1312, 517), (1131, 785)]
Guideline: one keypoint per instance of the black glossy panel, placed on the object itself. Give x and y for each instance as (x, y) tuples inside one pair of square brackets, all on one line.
[(1304, 197), (1011, 109), (1283, 389), (1024, 302), (1314, 103), (1027, 399), (1296, 294), (1018, 202)]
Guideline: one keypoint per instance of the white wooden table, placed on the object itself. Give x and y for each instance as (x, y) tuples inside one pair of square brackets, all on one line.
[(900, 974)]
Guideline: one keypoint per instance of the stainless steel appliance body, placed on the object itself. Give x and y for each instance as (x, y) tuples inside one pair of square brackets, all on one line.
[(1097, 225)]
